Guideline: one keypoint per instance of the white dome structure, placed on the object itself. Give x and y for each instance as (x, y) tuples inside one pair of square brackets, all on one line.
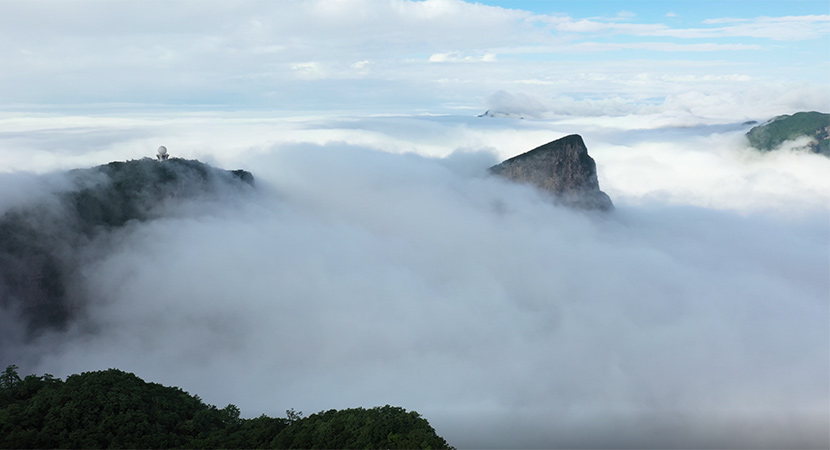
[(162, 153)]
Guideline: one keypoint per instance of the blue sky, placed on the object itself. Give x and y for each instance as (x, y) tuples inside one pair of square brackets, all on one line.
[(402, 56)]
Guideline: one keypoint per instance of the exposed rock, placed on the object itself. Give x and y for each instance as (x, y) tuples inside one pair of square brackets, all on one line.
[(778, 130), (41, 243), (563, 168)]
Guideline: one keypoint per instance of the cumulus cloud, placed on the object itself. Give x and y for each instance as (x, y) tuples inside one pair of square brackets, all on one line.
[(362, 274)]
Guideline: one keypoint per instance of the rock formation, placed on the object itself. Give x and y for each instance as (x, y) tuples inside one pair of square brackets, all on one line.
[(563, 168)]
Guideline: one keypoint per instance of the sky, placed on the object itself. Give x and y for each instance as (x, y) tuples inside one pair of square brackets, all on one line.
[(396, 56), (377, 262)]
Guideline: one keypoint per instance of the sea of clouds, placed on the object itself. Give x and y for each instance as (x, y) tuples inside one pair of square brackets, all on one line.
[(377, 264)]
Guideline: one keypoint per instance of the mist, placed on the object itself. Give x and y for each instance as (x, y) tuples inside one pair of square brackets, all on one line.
[(376, 263)]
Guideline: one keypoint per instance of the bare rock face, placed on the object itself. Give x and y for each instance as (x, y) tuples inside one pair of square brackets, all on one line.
[(561, 167)]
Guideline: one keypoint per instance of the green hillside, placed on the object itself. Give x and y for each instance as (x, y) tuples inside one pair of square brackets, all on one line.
[(115, 409), (784, 128), (40, 242)]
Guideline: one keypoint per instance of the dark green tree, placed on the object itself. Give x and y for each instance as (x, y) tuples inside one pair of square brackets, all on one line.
[(112, 408), (9, 379)]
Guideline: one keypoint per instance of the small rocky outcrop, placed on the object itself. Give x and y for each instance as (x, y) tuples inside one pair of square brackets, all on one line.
[(563, 168)]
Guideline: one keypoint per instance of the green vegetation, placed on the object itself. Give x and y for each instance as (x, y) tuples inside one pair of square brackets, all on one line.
[(381, 427), (784, 128), (112, 408), (113, 194), (40, 242)]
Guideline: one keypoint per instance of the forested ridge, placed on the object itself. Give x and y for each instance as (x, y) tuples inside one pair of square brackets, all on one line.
[(116, 409), (812, 124), (41, 242)]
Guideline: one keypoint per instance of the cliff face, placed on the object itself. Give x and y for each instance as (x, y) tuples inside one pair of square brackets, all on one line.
[(41, 243), (563, 168)]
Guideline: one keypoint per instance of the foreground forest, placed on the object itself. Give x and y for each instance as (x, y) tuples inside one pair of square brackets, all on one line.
[(115, 409)]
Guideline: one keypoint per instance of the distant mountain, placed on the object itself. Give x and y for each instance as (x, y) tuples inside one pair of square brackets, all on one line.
[(41, 242), (784, 128), (491, 113), (563, 168), (116, 409)]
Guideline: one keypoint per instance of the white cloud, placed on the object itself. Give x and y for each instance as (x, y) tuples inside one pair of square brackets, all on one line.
[(363, 273), (659, 46), (722, 20), (237, 54), (379, 265), (308, 70), (788, 28), (715, 98), (518, 104), (459, 57)]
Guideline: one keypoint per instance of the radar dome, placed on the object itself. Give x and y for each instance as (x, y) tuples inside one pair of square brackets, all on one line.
[(162, 150)]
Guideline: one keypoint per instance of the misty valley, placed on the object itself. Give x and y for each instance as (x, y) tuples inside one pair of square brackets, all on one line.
[(338, 276), (473, 224)]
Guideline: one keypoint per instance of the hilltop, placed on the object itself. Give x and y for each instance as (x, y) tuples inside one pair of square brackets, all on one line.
[(115, 409), (780, 129), (41, 242)]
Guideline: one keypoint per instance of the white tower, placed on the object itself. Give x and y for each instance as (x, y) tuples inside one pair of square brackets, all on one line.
[(162, 153)]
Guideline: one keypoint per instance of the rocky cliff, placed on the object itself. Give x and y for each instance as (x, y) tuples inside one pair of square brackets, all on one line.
[(563, 168)]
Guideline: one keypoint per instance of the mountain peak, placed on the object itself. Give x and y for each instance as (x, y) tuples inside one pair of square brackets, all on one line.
[(561, 167)]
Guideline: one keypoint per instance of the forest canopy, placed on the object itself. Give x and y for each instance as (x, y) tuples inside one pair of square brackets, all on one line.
[(112, 408)]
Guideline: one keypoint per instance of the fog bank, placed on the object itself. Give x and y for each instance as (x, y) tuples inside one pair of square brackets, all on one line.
[(362, 273)]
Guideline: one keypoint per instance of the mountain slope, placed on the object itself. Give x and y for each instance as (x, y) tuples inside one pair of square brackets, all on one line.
[(784, 128), (41, 242)]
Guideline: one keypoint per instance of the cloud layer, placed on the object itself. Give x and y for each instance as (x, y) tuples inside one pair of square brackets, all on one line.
[(378, 264), (390, 56), (364, 273)]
